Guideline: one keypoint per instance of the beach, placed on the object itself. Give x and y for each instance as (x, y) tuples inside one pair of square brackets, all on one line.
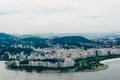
[(109, 60)]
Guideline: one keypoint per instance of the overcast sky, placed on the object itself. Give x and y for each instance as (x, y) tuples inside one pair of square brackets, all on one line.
[(59, 16)]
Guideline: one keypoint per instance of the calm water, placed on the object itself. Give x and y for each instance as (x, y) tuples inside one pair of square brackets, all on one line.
[(112, 73)]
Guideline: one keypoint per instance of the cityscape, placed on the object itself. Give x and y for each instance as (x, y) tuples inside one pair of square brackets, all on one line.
[(42, 57), (58, 54), (59, 39), (62, 54)]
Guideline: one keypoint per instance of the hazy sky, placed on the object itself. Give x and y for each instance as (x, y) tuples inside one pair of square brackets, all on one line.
[(59, 16)]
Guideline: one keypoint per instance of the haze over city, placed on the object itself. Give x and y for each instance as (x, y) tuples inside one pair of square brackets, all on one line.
[(59, 16)]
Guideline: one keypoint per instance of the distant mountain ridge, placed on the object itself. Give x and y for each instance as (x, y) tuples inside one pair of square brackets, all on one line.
[(16, 44), (70, 39), (66, 41), (5, 36)]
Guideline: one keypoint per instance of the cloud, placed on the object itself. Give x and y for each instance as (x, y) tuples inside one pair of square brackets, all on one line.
[(57, 16)]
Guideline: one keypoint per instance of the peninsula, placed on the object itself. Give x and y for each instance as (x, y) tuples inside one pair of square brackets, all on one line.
[(59, 53)]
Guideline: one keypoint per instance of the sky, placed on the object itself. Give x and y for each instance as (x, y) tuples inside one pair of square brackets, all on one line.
[(59, 16)]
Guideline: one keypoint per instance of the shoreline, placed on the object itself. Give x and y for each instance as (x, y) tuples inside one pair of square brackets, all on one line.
[(99, 68), (58, 71), (109, 60)]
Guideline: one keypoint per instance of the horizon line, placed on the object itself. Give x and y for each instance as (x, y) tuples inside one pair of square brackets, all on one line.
[(57, 33)]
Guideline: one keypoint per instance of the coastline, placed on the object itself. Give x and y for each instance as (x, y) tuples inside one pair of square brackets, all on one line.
[(99, 68), (58, 71), (109, 60)]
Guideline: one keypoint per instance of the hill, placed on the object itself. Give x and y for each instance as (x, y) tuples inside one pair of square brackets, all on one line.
[(71, 41), (15, 44), (36, 42)]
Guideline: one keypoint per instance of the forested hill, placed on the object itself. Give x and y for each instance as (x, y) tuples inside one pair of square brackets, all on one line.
[(67, 41), (72, 41)]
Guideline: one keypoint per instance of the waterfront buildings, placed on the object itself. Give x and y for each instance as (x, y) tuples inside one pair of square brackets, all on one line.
[(58, 57)]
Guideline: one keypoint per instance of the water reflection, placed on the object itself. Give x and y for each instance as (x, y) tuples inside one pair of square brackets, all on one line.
[(112, 73)]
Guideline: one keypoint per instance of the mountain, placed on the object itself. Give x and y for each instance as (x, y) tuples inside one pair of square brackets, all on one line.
[(71, 41), (36, 42), (5, 36), (15, 44), (7, 39), (42, 42), (66, 41)]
